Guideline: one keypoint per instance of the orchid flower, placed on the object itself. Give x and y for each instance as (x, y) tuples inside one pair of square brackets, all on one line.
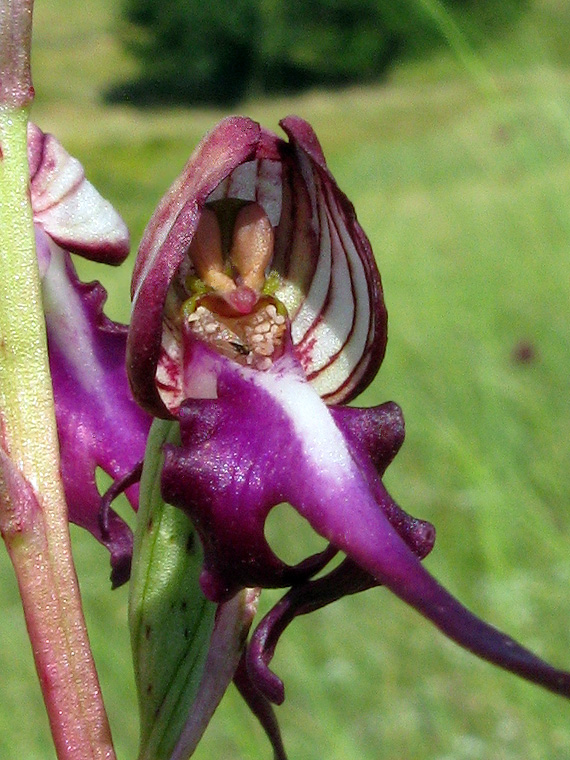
[(99, 424), (257, 314)]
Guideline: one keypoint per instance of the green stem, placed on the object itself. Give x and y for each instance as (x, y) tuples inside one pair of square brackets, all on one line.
[(458, 42), (33, 514)]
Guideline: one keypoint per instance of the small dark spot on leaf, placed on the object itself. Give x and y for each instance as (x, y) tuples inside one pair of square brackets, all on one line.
[(147, 631), (149, 523), (184, 605), (186, 634), (191, 543), (149, 689)]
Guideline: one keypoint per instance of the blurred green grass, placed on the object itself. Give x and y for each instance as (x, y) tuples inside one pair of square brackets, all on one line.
[(465, 195)]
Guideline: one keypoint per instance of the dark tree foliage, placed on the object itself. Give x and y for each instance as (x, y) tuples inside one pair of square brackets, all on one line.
[(194, 51), (325, 42), (191, 51)]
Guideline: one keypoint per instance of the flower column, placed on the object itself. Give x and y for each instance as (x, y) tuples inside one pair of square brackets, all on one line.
[(33, 515)]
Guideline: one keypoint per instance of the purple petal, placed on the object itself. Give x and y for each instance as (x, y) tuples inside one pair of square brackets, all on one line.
[(345, 579), (275, 441), (233, 621), (374, 437), (260, 707), (67, 207), (340, 328), (99, 424), (378, 431)]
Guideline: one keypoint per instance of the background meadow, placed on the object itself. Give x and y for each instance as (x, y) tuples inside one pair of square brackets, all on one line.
[(459, 168)]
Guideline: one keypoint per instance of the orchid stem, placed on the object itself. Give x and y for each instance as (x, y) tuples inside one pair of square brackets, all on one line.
[(33, 513)]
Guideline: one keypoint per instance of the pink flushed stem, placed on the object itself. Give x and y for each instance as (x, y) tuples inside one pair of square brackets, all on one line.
[(40, 553), (16, 89), (33, 514)]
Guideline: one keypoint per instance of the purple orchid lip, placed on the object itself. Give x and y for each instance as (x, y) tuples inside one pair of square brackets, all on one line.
[(268, 439), (99, 424), (321, 265)]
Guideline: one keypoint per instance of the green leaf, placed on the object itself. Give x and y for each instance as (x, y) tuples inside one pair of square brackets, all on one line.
[(185, 648)]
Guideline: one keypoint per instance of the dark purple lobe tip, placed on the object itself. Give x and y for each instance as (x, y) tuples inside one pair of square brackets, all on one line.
[(260, 707)]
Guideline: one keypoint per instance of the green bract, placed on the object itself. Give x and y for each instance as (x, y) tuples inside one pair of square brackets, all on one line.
[(185, 648)]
